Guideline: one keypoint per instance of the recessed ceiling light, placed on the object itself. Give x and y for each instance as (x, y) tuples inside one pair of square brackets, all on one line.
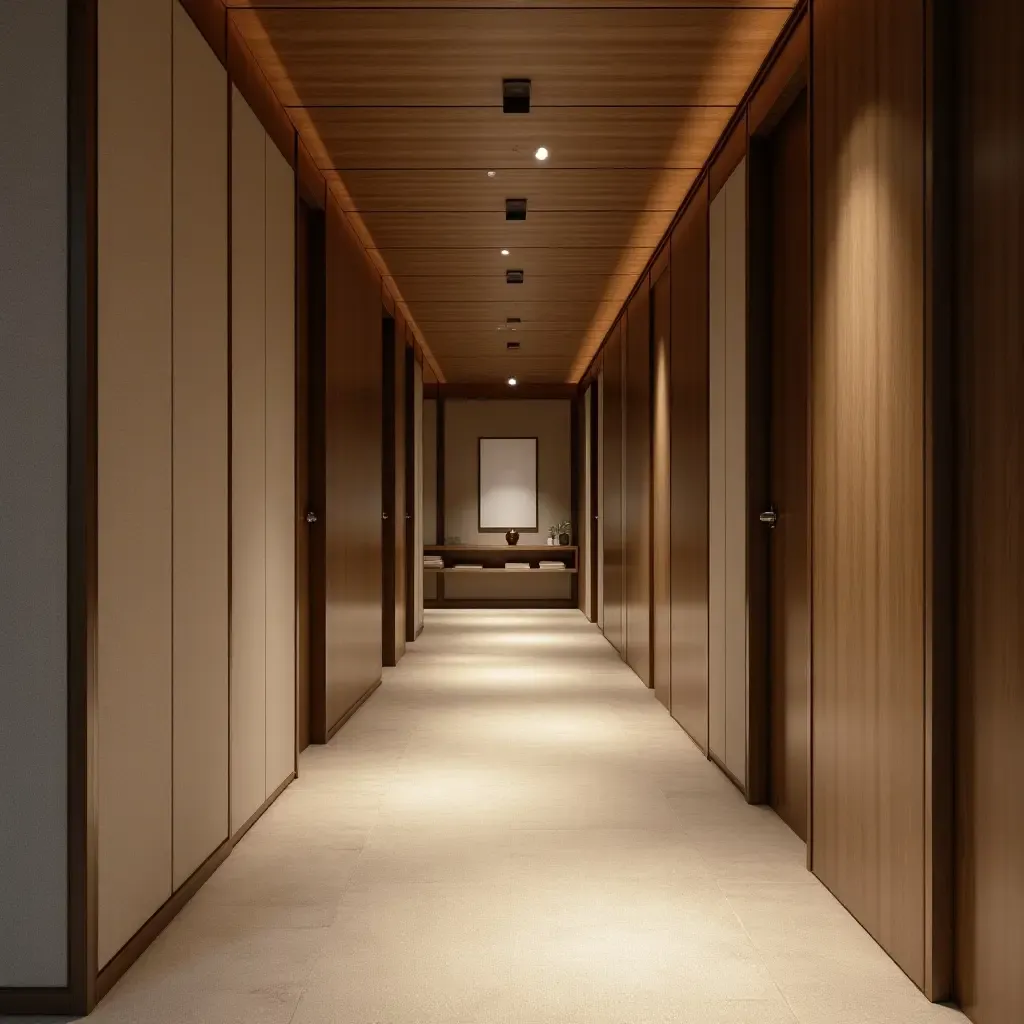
[(491, 174), (512, 382), (542, 153), (504, 252)]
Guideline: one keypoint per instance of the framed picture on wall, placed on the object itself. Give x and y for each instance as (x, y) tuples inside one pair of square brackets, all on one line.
[(508, 484)]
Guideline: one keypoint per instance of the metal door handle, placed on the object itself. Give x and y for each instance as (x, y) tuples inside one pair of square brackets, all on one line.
[(769, 518), (310, 517), (383, 515)]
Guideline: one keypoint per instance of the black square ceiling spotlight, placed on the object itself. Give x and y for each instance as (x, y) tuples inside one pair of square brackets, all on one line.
[(515, 95), (513, 319), (512, 346), (515, 209), (514, 276)]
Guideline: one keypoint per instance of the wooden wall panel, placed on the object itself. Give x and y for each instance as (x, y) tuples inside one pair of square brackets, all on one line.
[(636, 475), (868, 489), (280, 469), (354, 495), (689, 458), (134, 612), (248, 463), (419, 494), (200, 450), (661, 490), (613, 578), (990, 375)]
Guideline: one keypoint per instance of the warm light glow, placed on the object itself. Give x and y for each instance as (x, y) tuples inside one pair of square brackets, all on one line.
[(504, 252), (542, 153), (491, 174), (512, 382)]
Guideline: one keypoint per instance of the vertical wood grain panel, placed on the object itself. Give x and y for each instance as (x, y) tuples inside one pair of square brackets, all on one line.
[(354, 480), (200, 450), (636, 476), (280, 469), (990, 376), (661, 491), (737, 522), (599, 495), (611, 432), (134, 642), (248, 463), (867, 440), (419, 493), (689, 459)]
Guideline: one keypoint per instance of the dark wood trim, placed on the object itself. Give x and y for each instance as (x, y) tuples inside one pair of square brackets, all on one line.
[(536, 486), (782, 82), (261, 810), (143, 938), (82, 512), (333, 730), (312, 186), (661, 260), (388, 525), (595, 498), (211, 18), (800, 11), (941, 528), (506, 603), (575, 490), (388, 300), (412, 429), (502, 392), (731, 152), (720, 765), (810, 445), (250, 81)]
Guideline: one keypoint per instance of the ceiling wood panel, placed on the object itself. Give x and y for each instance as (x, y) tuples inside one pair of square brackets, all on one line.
[(483, 230), (483, 138), (406, 263), (548, 188), (398, 103), (451, 57), (535, 288)]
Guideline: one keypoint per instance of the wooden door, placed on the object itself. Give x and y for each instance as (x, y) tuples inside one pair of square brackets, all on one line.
[(789, 565), (390, 593), (309, 561), (611, 503), (661, 497)]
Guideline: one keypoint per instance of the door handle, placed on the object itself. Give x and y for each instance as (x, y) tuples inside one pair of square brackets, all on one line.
[(311, 518), (770, 518), (383, 515)]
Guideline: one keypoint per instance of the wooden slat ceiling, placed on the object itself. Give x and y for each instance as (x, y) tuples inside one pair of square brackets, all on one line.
[(399, 102)]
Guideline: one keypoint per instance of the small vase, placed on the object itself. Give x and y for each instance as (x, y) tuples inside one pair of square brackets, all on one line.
[(563, 539), (512, 538)]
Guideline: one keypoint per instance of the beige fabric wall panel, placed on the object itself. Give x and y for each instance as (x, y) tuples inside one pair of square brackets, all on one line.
[(736, 473), (549, 420), (200, 450), (280, 468), (248, 463), (716, 478), (135, 467), (33, 496)]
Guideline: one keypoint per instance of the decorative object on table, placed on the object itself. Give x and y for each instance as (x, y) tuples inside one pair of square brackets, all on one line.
[(512, 538), (563, 529), (552, 535)]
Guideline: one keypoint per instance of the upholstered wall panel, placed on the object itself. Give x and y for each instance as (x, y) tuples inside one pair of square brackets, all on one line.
[(33, 495), (611, 510), (279, 431), (134, 614), (248, 463), (419, 495), (430, 536), (200, 449)]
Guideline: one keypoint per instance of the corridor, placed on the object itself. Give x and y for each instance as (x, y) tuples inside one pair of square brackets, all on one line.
[(513, 830)]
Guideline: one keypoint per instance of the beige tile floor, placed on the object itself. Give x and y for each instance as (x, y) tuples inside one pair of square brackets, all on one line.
[(512, 829)]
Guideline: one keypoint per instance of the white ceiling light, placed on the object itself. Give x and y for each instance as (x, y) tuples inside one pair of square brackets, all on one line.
[(491, 174), (512, 382), (542, 153), (504, 252)]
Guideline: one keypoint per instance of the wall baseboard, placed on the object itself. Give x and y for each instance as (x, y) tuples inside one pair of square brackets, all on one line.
[(41, 1002), (143, 938), (333, 731), (137, 944)]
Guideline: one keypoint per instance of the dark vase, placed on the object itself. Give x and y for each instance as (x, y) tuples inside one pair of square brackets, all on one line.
[(563, 538), (512, 537)]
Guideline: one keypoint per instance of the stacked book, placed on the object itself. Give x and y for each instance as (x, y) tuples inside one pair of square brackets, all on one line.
[(467, 566), (518, 566), (433, 562), (552, 565)]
